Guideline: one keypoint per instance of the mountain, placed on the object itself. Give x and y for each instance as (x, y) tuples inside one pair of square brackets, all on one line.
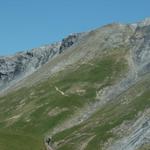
[(89, 92)]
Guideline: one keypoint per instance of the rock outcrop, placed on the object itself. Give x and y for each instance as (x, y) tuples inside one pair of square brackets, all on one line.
[(69, 41)]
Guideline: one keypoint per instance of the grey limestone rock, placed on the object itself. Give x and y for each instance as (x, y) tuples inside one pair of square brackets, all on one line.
[(24, 63)]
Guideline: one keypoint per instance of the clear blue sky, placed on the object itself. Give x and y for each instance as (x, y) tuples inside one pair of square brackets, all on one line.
[(25, 24)]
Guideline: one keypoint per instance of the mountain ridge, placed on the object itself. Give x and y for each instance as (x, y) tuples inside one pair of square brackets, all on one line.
[(24, 63)]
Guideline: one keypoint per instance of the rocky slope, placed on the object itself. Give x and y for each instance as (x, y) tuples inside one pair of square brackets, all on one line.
[(93, 96), (24, 63)]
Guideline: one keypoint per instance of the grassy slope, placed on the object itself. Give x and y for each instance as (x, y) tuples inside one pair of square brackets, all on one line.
[(99, 127), (25, 115)]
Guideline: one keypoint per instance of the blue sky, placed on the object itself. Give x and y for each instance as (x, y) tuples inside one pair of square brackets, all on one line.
[(25, 24)]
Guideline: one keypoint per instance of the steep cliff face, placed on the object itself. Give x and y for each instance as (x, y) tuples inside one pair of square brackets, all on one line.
[(24, 63)]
